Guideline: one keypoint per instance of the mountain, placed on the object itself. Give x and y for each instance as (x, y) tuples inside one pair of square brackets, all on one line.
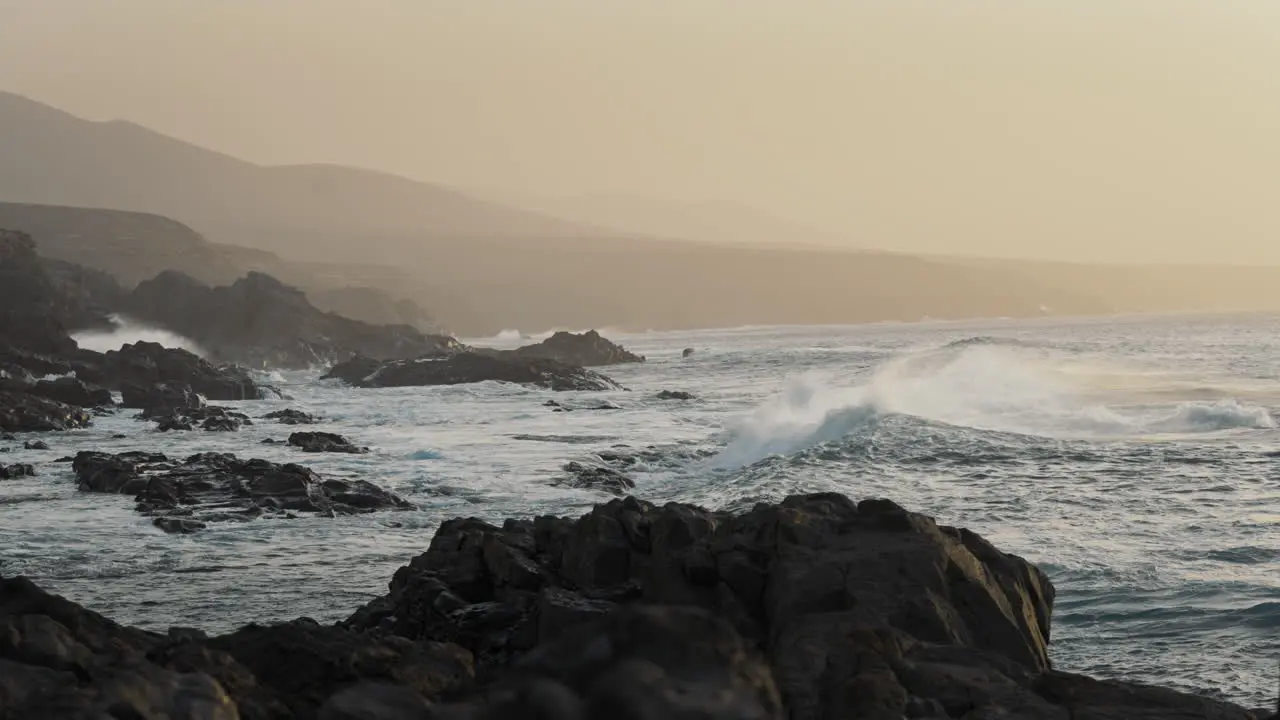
[(478, 265)]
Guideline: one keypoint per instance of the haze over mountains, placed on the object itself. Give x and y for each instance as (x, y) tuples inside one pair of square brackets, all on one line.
[(480, 265)]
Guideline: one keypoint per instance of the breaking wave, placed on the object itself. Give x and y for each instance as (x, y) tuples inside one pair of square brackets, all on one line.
[(129, 331), (981, 384)]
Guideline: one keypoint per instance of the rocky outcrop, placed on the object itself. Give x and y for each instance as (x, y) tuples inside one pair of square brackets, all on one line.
[(471, 367), (289, 416), (587, 349), (812, 608), (861, 610), (59, 660), (597, 477), (145, 364), (17, 470), (23, 412), (260, 321), (317, 442), (71, 391), (213, 487), (212, 418), (674, 395)]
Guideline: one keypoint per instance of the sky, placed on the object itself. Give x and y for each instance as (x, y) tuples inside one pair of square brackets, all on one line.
[(1092, 130)]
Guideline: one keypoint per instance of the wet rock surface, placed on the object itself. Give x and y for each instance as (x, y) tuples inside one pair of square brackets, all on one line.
[(217, 487), (317, 442), (675, 395), (587, 349), (15, 471), (24, 412), (597, 477), (290, 416), (471, 367)]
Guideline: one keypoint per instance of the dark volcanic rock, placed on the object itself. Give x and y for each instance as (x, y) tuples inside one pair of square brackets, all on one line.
[(71, 391), (324, 442), (145, 364), (291, 417), (355, 370), (260, 321), (687, 352), (161, 399), (22, 412), (35, 445), (674, 395), (472, 367), (212, 487), (810, 609), (58, 660), (587, 350), (863, 610), (11, 472), (597, 477)]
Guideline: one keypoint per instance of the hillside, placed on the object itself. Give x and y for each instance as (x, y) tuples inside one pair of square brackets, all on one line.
[(479, 266)]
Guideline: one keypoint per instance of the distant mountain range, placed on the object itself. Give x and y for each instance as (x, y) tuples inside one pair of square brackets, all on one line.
[(481, 264)]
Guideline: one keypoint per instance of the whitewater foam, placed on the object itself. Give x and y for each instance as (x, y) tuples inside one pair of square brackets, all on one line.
[(981, 384), (128, 331)]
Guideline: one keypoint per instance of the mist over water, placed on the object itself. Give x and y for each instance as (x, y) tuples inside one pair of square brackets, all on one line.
[(1136, 461), (130, 331)]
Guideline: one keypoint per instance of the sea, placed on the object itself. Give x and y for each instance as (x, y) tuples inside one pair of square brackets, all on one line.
[(1136, 460)]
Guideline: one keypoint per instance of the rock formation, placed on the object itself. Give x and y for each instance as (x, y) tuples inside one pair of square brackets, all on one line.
[(260, 321), (470, 367), (812, 608), (210, 487), (587, 349)]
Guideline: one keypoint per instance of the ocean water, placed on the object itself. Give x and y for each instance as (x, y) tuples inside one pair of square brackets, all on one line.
[(1136, 460)]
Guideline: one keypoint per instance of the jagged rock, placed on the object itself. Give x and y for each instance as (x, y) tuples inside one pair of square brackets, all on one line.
[(472, 367), (291, 417), (212, 418), (58, 660), (35, 445), (178, 525), (586, 350), (260, 321), (22, 412), (214, 487), (674, 395), (354, 371), (862, 609), (324, 442), (596, 477), (71, 391), (160, 399), (11, 472), (145, 364)]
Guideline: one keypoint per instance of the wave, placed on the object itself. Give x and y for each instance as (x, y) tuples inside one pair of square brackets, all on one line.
[(127, 331), (984, 384)]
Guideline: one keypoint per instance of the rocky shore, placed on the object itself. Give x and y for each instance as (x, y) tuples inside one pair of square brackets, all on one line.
[(815, 607)]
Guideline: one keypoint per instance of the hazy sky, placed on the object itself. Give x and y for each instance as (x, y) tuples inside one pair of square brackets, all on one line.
[(1086, 129)]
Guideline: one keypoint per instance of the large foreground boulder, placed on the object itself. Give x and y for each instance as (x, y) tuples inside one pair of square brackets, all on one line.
[(812, 608), (587, 349), (861, 610), (471, 367), (185, 495)]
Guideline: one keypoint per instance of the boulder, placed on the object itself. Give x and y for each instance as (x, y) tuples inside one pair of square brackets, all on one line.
[(217, 487), (674, 395), (587, 349), (596, 477), (291, 417), (71, 391), (23, 412), (354, 370), (324, 442), (11, 472), (686, 352), (160, 399), (473, 367)]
